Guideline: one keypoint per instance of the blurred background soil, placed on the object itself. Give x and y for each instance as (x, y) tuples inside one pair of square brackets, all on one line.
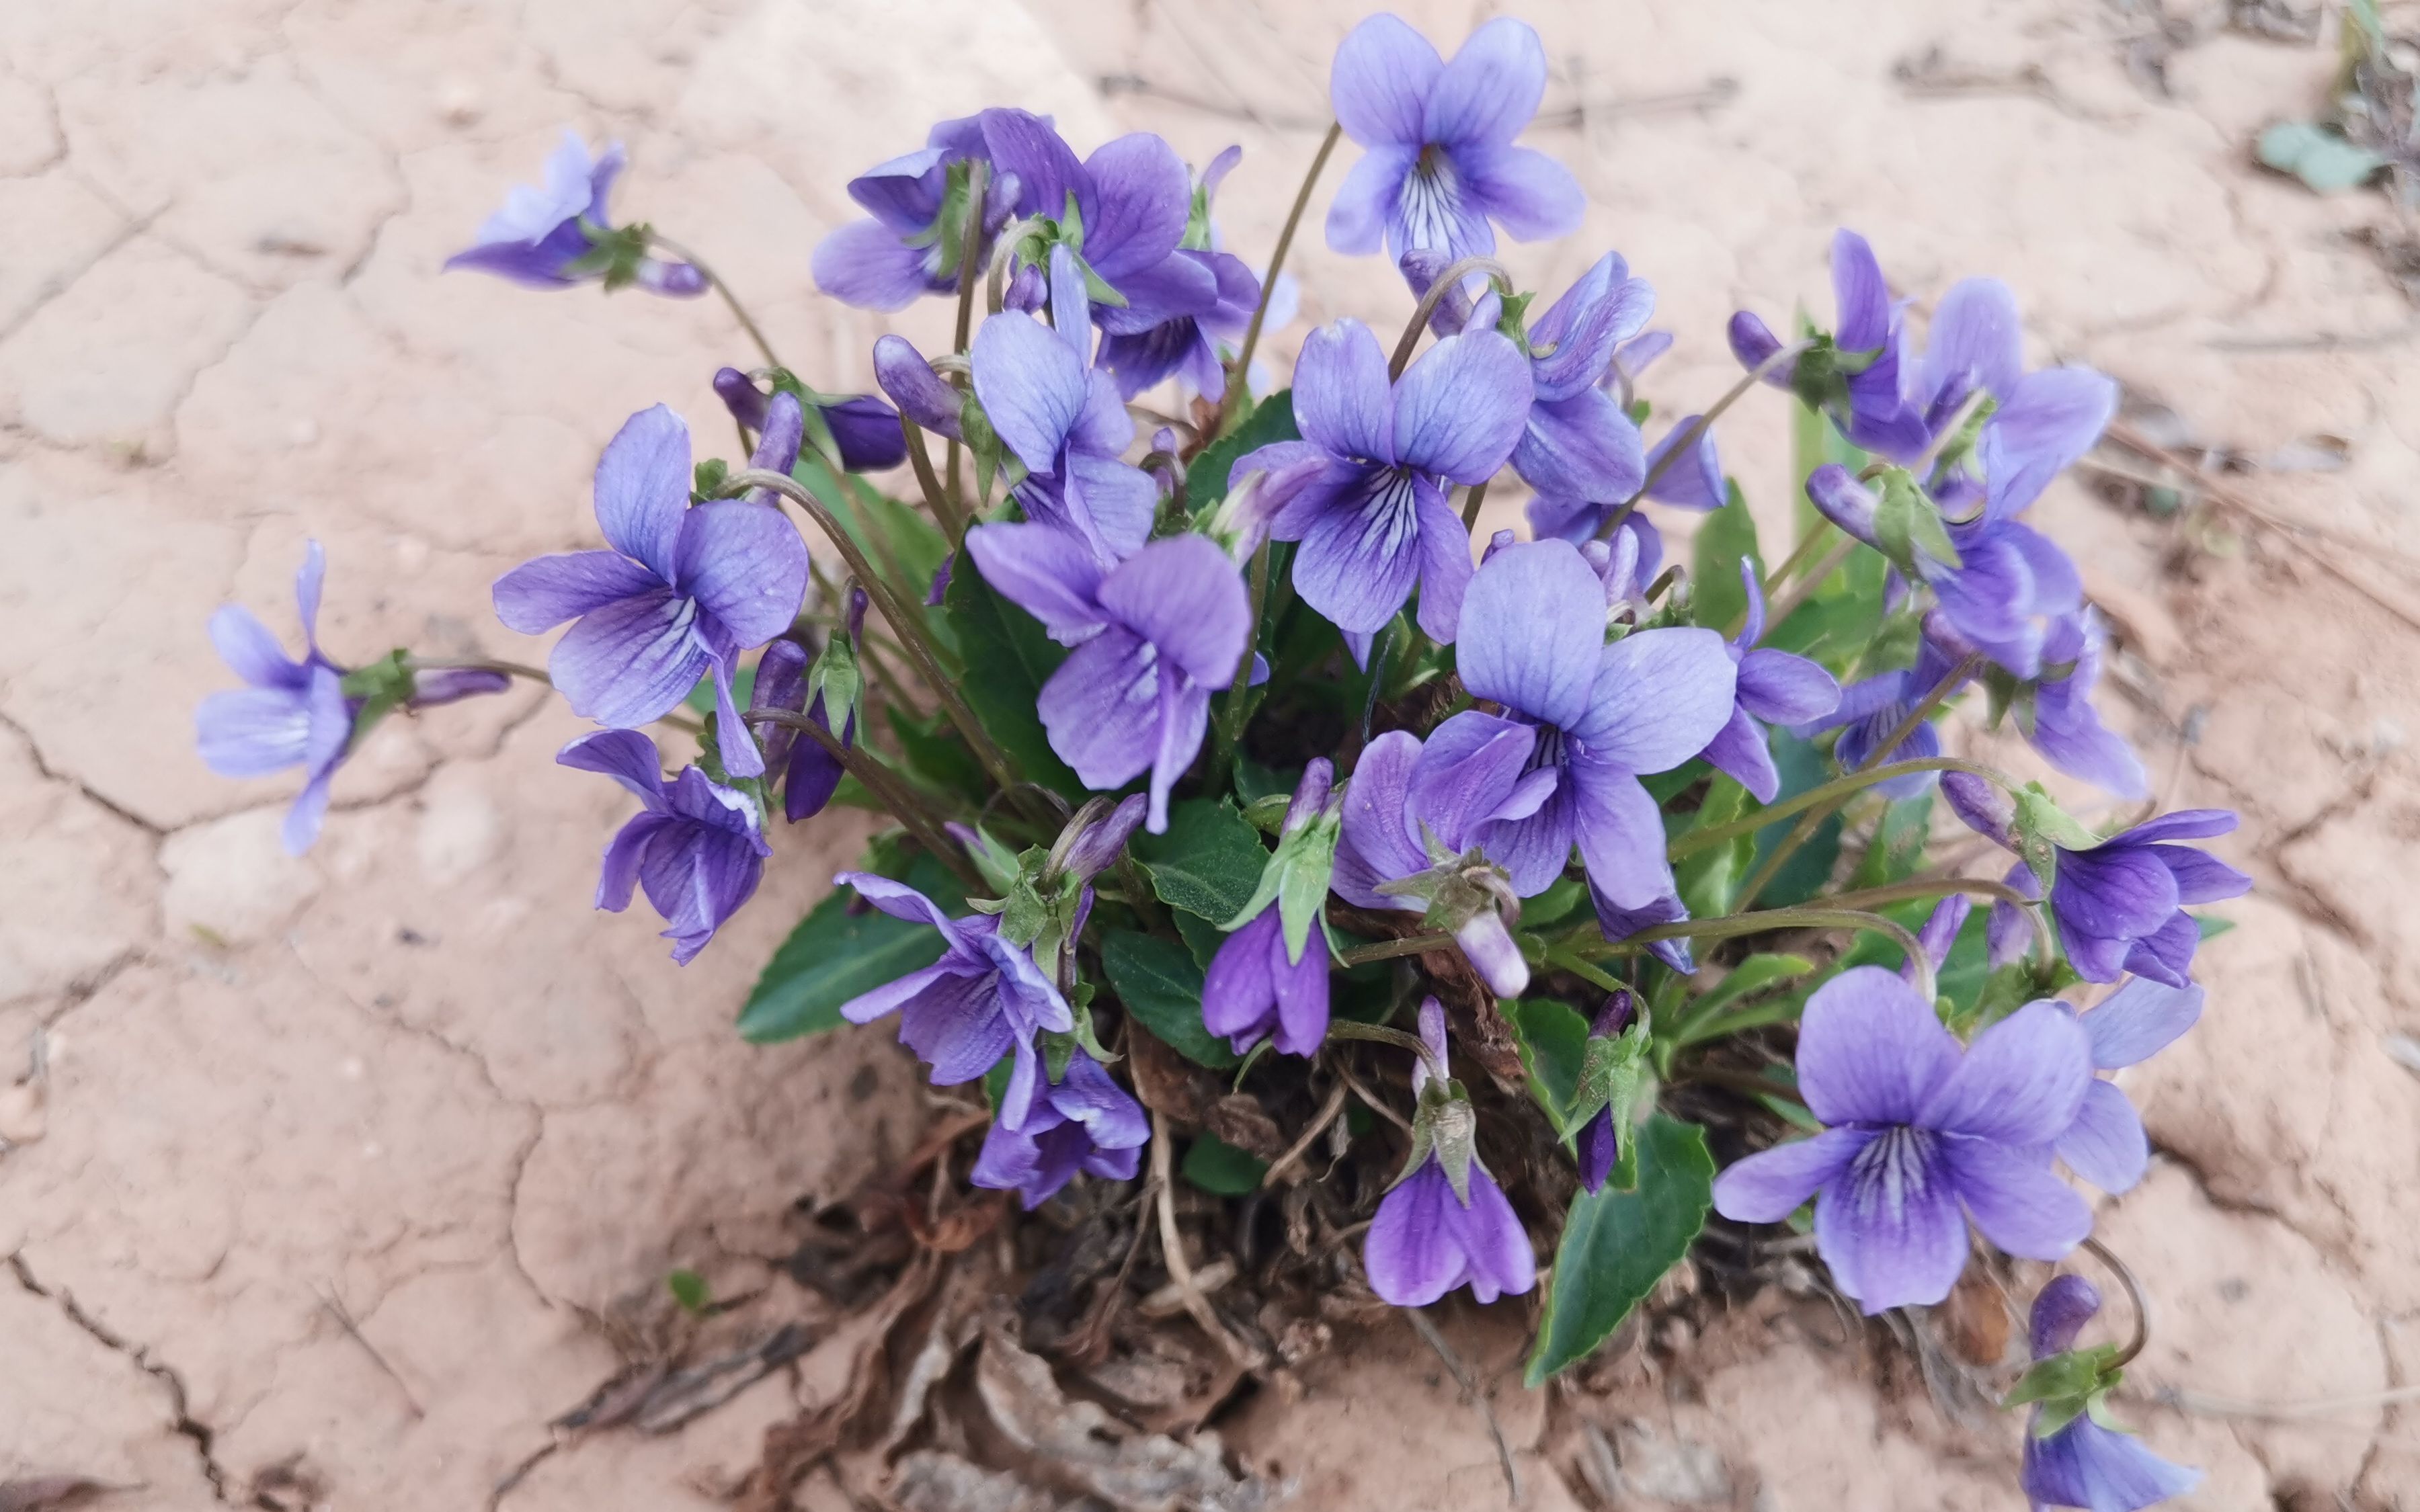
[(331, 1181)]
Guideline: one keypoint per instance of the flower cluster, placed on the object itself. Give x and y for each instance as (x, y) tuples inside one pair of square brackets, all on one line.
[(1086, 676)]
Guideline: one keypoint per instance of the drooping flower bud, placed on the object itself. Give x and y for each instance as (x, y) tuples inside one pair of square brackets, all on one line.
[(915, 388), (1753, 343), (1611, 1085), (1095, 838), (431, 687), (1265, 979)]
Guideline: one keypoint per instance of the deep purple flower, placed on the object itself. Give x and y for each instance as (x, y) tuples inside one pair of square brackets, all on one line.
[(1256, 987), (1083, 1123), (2120, 904), (1432, 1233), (1915, 1130), (1577, 443), (1694, 478), (2085, 1463), (864, 428), (683, 592), (698, 848), (543, 235), (985, 998), (1939, 934), (1441, 165), (811, 773), (1067, 425), (1364, 489), (1773, 688), (1134, 198), (1382, 859), (1186, 345), (2041, 421), (1618, 924), (1861, 387), (1600, 1140), (903, 250), (2065, 728), (1870, 710), (1582, 721), (294, 712), (2106, 1145), (1153, 636)]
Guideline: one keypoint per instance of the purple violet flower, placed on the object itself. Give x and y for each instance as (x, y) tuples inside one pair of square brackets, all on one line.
[(294, 712), (2119, 904), (2041, 421), (2087, 1463), (1383, 859), (1774, 687), (2067, 729), (1432, 1233), (698, 848), (544, 236), (903, 250), (1582, 721), (1364, 489), (1577, 443), (680, 595), (864, 428), (2106, 1145), (810, 774), (1917, 1130), (1870, 710), (1154, 637), (1939, 934), (1134, 198), (1066, 423), (1865, 399), (985, 998), (1618, 924), (1186, 345), (1255, 989), (1441, 165), (1084, 1121)]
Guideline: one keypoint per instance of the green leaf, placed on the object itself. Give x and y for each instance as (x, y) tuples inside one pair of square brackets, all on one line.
[(1725, 539), (1616, 1245), (1707, 879), (1209, 863), (1220, 1169), (701, 698), (835, 955), (2211, 926), (1898, 848), (1754, 975), (1008, 659), (688, 1289), (1202, 937), (1160, 985), (1553, 1037), (2318, 157), (935, 754), (1270, 421), (1802, 767)]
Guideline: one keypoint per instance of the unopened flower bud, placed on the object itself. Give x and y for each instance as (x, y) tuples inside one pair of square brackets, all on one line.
[(915, 388)]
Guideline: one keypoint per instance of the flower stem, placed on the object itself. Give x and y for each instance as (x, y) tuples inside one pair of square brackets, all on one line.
[(1595, 976), (904, 623), (1380, 1034), (1840, 787), (1388, 950), (1687, 440), (1941, 887), (1232, 399), (876, 779), (945, 510), (1797, 558), (738, 311), (1446, 283), (514, 669), (978, 186), (1765, 921), (2134, 1293), (1471, 499)]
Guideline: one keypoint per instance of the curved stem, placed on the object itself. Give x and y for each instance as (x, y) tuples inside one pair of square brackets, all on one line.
[(1684, 442), (995, 282), (1471, 499), (978, 188), (1840, 787), (1765, 921), (953, 523), (1446, 283), (738, 311), (904, 623), (1791, 564), (1380, 1034), (2134, 1293), (876, 779), (1950, 682), (1388, 950), (1232, 399), (1941, 887), (1587, 972)]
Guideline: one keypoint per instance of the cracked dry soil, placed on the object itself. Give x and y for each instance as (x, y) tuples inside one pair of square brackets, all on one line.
[(341, 1173)]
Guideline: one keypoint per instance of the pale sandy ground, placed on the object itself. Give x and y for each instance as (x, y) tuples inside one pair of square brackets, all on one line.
[(414, 1074)]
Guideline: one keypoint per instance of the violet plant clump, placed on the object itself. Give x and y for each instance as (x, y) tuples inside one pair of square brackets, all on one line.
[(1224, 769)]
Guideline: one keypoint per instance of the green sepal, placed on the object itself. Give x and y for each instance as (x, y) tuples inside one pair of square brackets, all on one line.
[(1267, 813), (2042, 829), (1295, 878), (983, 442), (615, 252), (1059, 1048), (380, 685), (1955, 451), (1445, 1126), (838, 677), (1612, 1071), (1511, 322), (2065, 1384), (707, 480), (997, 863), (1908, 526), (1024, 916)]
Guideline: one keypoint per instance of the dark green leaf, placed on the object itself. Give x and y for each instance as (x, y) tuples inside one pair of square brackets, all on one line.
[(1220, 1169), (1616, 1245), (1202, 937), (1208, 862), (936, 752), (1554, 1041), (743, 685), (1898, 848), (1707, 878), (1758, 973), (1160, 985), (1270, 421), (835, 955), (1802, 767), (1725, 539), (1008, 659)]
